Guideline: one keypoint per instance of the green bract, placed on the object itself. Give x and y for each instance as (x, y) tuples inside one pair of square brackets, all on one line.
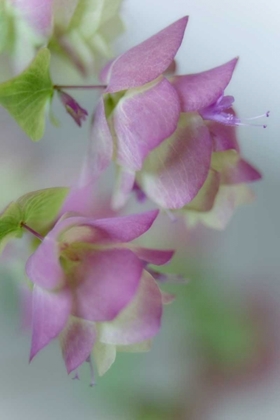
[(26, 96), (37, 209)]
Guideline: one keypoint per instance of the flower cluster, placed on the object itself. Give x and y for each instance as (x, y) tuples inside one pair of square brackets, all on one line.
[(173, 141), (172, 137), (92, 290)]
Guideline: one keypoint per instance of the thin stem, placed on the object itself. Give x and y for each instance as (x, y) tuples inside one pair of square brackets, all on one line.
[(32, 231), (58, 87)]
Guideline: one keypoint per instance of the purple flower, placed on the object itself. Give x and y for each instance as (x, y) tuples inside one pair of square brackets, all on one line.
[(73, 108), (140, 107), (91, 289), (156, 126)]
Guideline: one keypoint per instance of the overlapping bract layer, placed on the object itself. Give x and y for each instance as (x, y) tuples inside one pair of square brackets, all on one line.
[(163, 131), (91, 288)]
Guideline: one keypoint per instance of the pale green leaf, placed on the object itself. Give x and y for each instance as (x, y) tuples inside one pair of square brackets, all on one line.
[(10, 224), (38, 210), (26, 96)]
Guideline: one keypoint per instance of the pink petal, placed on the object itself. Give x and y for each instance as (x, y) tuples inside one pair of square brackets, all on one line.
[(140, 320), (126, 228), (43, 267), (123, 187), (240, 173), (37, 13), (148, 60), (100, 150), (224, 136), (49, 316), (142, 120), (152, 256), (197, 91), (104, 75), (174, 173), (108, 281), (114, 229), (77, 341)]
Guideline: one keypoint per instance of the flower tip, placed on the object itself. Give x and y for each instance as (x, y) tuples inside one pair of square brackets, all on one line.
[(31, 356), (268, 114), (78, 113)]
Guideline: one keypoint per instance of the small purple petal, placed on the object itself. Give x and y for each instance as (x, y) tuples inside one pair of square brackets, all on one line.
[(174, 173), (78, 113), (49, 316), (77, 341), (108, 281), (197, 91), (147, 61), (142, 120), (140, 320)]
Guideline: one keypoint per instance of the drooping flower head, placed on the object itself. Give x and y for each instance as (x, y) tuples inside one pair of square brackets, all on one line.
[(91, 288), (157, 129)]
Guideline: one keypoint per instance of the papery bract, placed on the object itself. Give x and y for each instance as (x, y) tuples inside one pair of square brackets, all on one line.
[(90, 286), (160, 127)]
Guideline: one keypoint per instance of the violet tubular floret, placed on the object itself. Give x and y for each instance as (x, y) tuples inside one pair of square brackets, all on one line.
[(221, 112)]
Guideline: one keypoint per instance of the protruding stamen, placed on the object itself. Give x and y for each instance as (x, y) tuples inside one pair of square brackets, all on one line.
[(218, 112), (266, 115)]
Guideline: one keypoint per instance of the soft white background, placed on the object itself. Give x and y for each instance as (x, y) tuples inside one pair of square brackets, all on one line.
[(248, 252)]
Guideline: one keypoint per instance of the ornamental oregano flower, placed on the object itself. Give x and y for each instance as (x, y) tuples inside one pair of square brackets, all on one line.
[(90, 287), (173, 141), (165, 131)]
